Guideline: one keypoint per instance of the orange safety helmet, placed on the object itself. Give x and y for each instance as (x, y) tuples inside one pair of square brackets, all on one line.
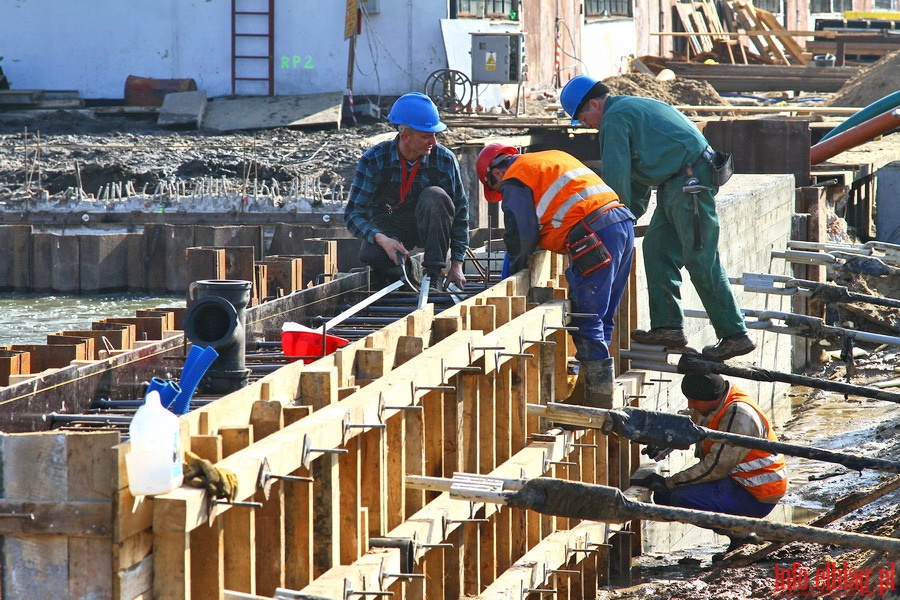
[(485, 162)]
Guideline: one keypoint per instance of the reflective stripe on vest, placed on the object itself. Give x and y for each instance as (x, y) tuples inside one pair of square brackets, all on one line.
[(564, 190), (761, 473)]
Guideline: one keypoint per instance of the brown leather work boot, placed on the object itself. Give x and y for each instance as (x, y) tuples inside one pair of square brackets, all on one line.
[(670, 337), (733, 345)]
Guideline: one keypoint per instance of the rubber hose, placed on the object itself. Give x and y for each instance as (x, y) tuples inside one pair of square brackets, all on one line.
[(190, 379), (166, 388), (872, 110)]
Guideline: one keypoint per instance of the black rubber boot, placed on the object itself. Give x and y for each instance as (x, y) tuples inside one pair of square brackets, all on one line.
[(600, 382), (594, 387)]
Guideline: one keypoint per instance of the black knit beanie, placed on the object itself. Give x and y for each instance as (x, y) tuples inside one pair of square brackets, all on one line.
[(706, 387)]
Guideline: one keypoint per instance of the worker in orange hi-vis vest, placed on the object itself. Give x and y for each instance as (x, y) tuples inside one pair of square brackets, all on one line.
[(728, 479), (551, 200)]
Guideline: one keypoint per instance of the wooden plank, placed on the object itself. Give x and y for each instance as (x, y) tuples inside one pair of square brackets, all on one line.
[(91, 472), (238, 525), (552, 553), (487, 432), (350, 505), (327, 513), (23, 456), (207, 548), (433, 434), (684, 14), (414, 448), (793, 48), (171, 550), (396, 472), (373, 481), (699, 25), (298, 518), (267, 419)]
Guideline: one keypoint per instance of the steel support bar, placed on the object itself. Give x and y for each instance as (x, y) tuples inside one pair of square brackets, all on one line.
[(690, 363), (361, 305), (678, 431), (811, 327), (827, 292), (609, 505)]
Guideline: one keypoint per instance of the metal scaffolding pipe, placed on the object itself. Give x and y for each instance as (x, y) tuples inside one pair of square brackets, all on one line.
[(690, 363), (667, 430), (605, 504), (862, 133)]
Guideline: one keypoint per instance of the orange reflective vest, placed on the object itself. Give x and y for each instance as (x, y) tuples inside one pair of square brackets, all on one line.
[(762, 473), (564, 190)]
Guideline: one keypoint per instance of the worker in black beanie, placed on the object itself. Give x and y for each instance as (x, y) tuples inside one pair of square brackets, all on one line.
[(727, 479)]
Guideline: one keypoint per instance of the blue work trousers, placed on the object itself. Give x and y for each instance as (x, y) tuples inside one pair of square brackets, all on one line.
[(721, 496), (600, 292)]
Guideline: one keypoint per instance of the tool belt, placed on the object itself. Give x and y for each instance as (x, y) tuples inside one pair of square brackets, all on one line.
[(585, 248), (722, 164)]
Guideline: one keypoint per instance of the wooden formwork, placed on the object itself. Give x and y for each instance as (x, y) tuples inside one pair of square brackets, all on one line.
[(327, 454)]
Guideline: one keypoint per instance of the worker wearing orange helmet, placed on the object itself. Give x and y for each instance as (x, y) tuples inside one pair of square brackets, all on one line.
[(551, 200)]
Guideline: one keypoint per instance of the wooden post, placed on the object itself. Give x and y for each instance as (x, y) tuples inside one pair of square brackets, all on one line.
[(239, 525), (298, 517), (266, 418), (208, 564)]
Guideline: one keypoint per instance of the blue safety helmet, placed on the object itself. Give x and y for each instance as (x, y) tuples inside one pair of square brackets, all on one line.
[(573, 95), (416, 110)]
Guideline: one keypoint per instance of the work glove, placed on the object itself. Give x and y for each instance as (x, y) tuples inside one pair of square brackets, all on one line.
[(654, 481), (656, 453), (201, 473)]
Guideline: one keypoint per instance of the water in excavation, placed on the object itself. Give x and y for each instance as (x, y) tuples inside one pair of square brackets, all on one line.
[(29, 318)]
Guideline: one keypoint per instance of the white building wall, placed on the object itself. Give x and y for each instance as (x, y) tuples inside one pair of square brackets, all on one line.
[(93, 46), (607, 47)]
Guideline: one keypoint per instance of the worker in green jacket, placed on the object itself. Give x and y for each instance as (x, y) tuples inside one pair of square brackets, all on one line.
[(645, 143)]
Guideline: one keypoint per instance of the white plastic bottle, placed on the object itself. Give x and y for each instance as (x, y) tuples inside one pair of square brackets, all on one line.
[(154, 461)]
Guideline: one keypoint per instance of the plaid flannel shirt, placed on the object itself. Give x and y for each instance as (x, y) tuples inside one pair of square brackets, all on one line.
[(380, 166)]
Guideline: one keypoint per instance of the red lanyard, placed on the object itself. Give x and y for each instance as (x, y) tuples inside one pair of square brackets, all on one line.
[(406, 181)]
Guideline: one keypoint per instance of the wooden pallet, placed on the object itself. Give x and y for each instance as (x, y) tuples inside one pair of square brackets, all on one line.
[(765, 33)]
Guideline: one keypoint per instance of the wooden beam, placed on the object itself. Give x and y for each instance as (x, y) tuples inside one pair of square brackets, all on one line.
[(554, 552), (239, 525), (208, 551)]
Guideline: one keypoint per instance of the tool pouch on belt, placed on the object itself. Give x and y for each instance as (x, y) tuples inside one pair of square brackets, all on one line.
[(586, 250), (723, 166)]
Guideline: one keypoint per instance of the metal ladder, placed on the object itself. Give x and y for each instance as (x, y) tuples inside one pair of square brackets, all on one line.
[(253, 47)]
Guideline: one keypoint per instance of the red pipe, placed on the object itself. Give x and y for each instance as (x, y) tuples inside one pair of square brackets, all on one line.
[(854, 136)]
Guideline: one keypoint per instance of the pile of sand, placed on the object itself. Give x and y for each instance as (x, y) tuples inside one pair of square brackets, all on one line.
[(870, 84), (678, 91)]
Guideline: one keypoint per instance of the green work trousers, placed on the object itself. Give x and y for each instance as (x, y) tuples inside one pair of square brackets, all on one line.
[(669, 245)]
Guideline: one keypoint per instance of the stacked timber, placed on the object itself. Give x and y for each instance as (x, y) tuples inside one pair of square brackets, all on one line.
[(766, 78), (46, 99)]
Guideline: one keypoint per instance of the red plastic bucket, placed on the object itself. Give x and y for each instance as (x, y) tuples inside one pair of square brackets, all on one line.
[(309, 344)]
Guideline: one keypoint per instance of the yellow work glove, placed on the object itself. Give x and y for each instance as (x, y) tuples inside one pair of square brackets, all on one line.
[(201, 473)]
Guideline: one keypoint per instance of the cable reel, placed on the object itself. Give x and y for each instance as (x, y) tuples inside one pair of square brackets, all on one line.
[(450, 90)]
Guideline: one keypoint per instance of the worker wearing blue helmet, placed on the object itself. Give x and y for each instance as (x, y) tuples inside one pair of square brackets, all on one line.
[(407, 193), (645, 144)]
